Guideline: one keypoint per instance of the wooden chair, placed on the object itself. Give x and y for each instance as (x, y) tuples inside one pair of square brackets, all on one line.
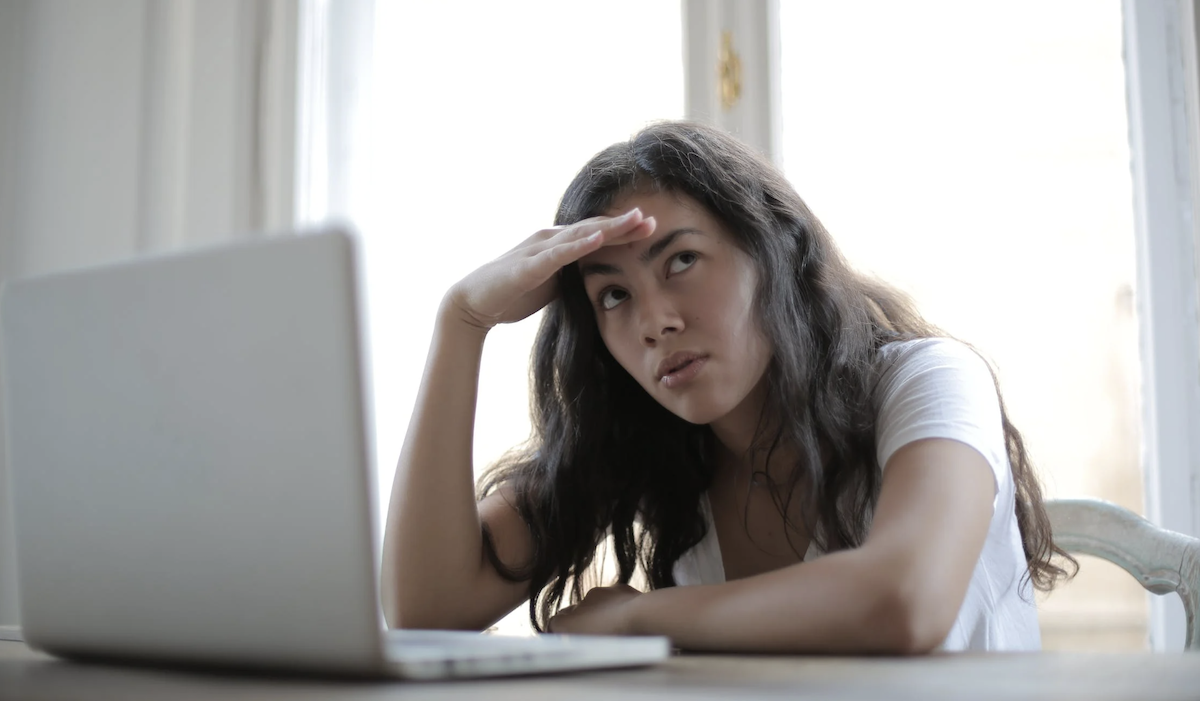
[(1163, 561)]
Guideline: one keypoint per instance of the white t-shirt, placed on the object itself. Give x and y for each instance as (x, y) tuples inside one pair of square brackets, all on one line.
[(938, 388)]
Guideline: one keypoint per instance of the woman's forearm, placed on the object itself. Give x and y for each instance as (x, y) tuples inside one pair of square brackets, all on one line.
[(432, 553), (843, 602), (899, 593)]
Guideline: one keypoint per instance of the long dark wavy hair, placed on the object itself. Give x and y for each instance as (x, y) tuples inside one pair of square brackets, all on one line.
[(606, 460)]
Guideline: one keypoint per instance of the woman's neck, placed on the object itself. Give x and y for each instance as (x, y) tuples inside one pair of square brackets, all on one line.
[(736, 432)]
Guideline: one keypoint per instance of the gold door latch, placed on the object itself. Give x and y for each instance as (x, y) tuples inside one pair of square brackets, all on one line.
[(729, 72)]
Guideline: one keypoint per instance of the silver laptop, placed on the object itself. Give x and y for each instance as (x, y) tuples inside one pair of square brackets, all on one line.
[(188, 437)]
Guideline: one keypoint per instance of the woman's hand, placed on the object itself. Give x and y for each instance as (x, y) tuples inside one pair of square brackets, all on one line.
[(525, 279), (603, 611)]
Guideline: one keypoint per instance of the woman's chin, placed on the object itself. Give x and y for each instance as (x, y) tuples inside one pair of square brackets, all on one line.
[(696, 414)]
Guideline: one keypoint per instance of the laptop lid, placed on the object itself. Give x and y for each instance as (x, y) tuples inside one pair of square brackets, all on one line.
[(189, 446)]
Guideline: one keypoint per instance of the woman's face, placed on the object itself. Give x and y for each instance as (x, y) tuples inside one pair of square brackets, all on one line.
[(676, 310)]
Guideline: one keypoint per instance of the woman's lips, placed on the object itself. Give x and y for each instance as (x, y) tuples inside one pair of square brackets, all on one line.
[(684, 374)]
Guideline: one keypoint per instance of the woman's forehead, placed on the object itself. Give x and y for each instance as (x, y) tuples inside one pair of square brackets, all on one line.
[(661, 204), (676, 218)]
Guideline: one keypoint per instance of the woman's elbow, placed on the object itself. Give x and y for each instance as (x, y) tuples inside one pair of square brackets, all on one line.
[(408, 613), (913, 620)]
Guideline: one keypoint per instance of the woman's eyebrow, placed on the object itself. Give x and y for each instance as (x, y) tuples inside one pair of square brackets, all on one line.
[(660, 245), (656, 249)]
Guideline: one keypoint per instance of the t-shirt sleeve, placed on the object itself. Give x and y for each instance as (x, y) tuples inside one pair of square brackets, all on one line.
[(940, 388)]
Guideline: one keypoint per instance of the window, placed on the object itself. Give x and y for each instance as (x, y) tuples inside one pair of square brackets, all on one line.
[(980, 161)]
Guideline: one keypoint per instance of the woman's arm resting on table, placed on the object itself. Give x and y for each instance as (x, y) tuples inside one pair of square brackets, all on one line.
[(898, 593), (435, 573)]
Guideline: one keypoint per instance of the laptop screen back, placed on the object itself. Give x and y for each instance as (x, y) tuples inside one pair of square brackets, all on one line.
[(189, 449)]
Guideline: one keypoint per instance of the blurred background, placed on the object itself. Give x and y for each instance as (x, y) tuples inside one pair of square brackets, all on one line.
[(989, 159)]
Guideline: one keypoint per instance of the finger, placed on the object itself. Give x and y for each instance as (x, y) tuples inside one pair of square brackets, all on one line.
[(596, 596), (560, 620), (607, 225), (555, 256), (644, 229), (550, 232), (609, 236), (583, 228), (544, 264), (541, 235)]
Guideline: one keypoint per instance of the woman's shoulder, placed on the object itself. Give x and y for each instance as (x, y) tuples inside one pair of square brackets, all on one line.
[(937, 387), (933, 347), (902, 361)]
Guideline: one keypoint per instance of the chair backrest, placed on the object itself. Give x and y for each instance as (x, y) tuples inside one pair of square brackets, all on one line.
[(1163, 561)]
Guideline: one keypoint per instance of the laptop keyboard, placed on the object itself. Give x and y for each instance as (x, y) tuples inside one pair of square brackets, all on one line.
[(443, 643), (437, 654)]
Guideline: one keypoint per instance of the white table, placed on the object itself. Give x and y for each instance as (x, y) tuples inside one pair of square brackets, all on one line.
[(31, 676)]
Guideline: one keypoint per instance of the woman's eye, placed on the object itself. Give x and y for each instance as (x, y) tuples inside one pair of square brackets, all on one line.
[(681, 262), (611, 298)]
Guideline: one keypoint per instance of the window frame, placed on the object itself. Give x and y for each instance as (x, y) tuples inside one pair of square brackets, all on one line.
[(1163, 93)]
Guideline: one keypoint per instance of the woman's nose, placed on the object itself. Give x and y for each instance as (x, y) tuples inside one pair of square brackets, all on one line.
[(659, 318)]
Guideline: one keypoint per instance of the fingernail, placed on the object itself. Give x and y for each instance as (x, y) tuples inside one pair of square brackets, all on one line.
[(633, 212)]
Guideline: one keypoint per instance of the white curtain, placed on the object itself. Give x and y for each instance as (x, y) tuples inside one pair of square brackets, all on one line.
[(131, 126), (334, 80)]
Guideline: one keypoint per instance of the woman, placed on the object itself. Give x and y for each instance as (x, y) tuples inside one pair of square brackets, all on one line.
[(718, 391)]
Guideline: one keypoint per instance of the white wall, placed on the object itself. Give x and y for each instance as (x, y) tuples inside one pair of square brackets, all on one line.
[(137, 125), (77, 124)]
